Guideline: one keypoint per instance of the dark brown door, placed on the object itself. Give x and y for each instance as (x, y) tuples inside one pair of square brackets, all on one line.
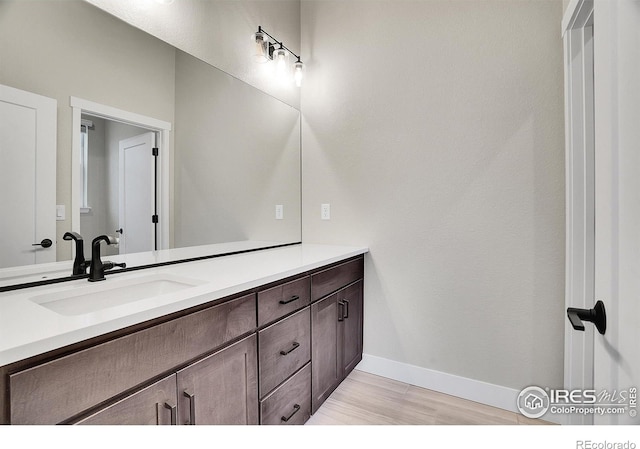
[(351, 310), (326, 369), (155, 404), (222, 388)]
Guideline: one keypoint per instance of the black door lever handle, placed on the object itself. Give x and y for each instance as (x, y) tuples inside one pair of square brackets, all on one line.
[(597, 316)]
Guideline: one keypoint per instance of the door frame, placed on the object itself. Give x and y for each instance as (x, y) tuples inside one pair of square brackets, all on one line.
[(163, 129), (580, 194)]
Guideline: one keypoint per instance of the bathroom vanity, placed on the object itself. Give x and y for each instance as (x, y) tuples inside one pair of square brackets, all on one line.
[(256, 338)]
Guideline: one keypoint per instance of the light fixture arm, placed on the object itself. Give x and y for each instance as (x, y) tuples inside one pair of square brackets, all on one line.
[(261, 30)]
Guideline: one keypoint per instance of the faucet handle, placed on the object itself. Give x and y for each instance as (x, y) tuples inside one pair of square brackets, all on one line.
[(108, 265)]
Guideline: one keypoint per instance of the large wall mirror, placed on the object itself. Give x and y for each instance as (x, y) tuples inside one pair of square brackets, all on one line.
[(227, 176)]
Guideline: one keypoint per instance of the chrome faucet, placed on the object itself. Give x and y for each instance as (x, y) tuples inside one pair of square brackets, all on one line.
[(80, 265), (97, 269)]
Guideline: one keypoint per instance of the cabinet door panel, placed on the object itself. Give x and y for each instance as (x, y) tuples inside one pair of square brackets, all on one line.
[(222, 388), (326, 371), (155, 405), (352, 311)]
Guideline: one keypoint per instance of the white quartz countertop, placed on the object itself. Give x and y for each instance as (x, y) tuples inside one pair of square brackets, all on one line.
[(28, 328)]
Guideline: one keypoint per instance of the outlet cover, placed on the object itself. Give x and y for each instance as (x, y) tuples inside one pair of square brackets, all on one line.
[(325, 211)]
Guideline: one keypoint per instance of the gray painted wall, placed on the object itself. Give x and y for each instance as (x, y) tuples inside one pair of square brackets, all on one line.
[(435, 131)]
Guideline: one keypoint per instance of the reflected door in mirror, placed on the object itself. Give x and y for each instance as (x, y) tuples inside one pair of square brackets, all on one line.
[(27, 178)]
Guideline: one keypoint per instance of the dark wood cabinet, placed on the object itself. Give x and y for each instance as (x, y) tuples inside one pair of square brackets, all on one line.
[(337, 324), (269, 355), (55, 391)]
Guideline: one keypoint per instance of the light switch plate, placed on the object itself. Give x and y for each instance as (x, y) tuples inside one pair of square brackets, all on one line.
[(60, 212), (279, 212), (325, 211)]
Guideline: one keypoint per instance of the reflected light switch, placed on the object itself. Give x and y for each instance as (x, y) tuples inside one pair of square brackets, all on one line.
[(60, 212), (279, 211)]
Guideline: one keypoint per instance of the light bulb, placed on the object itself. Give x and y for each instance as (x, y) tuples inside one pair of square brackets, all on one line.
[(297, 73), (280, 57)]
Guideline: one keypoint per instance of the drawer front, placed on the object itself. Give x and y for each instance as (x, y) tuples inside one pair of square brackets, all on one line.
[(284, 348), (283, 299), (333, 279), (290, 403), (154, 405), (57, 390)]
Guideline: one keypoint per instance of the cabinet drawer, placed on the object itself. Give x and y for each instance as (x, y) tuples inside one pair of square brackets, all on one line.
[(290, 403), (156, 405), (57, 390), (283, 299), (284, 347), (333, 279)]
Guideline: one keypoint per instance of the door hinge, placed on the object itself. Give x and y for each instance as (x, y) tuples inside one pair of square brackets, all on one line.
[(154, 152), (154, 218)]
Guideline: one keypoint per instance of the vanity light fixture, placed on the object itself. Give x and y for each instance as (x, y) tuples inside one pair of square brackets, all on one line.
[(268, 48)]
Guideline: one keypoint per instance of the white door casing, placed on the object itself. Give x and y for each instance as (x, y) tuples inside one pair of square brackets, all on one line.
[(136, 193), (163, 129), (27, 177)]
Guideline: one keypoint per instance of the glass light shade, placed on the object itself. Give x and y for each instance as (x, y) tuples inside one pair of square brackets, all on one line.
[(261, 51), (281, 56), (298, 67)]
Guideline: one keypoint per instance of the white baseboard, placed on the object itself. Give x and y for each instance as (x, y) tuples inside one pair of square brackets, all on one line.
[(462, 387)]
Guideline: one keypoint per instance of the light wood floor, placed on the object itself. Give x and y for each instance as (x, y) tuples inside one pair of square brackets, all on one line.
[(366, 399)]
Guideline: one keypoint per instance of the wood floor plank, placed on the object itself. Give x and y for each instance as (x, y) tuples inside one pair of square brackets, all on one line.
[(367, 399)]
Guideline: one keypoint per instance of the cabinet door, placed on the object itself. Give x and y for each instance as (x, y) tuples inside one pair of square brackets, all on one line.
[(155, 404), (326, 369), (222, 388), (351, 310)]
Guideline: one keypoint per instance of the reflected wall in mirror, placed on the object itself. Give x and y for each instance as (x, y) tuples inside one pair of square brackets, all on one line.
[(233, 152)]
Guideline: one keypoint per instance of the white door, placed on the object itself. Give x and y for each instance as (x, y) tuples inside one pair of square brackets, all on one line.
[(137, 194), (617, 205), (27, 178), (578, 26)]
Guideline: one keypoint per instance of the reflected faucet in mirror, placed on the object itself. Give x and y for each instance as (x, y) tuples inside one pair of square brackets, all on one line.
[(79, 263), (97, 269)]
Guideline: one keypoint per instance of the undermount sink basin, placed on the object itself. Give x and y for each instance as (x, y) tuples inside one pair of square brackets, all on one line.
[(112, 293)]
